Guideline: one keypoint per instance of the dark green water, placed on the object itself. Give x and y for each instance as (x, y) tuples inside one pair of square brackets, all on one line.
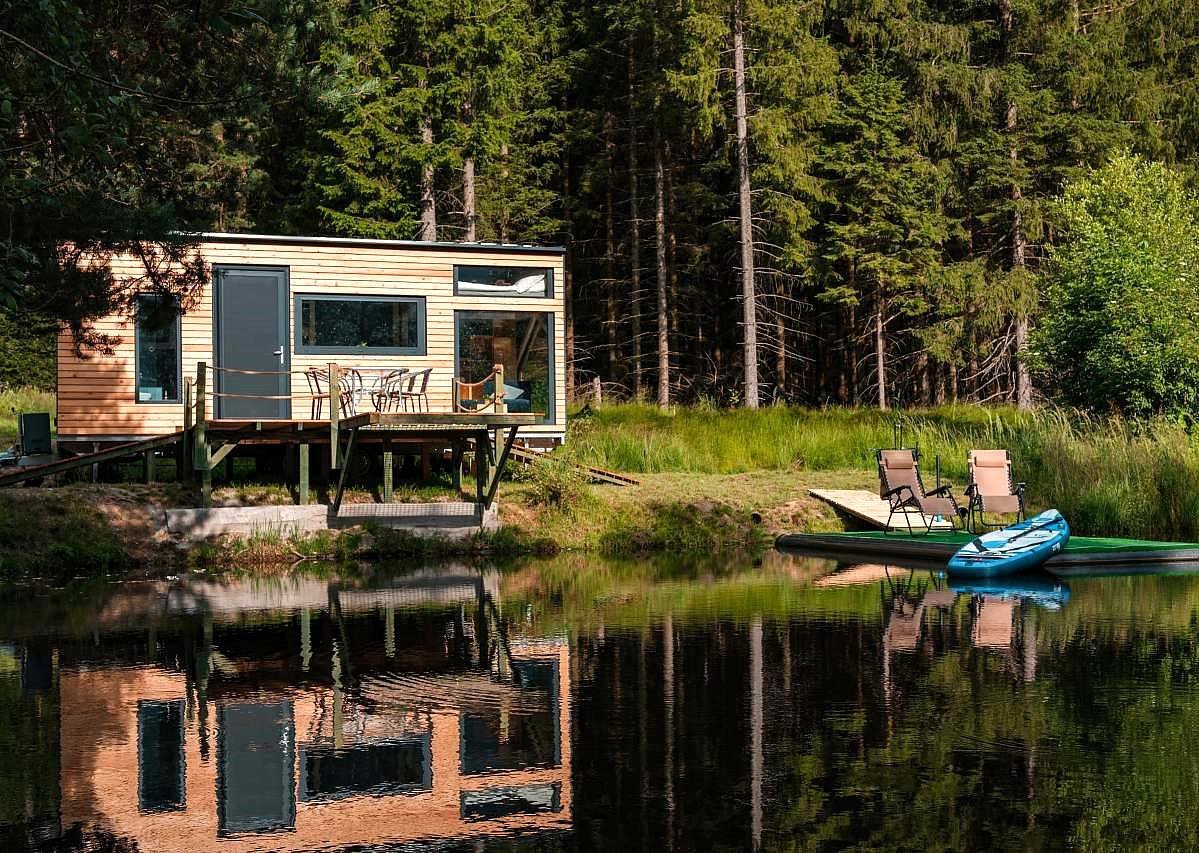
[(580, 704)]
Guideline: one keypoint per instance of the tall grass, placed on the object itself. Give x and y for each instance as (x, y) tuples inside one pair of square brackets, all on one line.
[(1109, 477), (14, 401)]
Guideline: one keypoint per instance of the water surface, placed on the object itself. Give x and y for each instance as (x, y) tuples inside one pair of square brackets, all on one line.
[(582, 704)]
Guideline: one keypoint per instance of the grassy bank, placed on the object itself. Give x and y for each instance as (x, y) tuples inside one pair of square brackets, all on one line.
[(1109, 477), (19, 400)]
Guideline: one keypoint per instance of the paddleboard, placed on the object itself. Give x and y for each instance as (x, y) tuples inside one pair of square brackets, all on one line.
[(1020, 547)]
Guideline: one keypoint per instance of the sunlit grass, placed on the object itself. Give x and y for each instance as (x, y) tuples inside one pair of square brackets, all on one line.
[(14, 401), (1108, 476)]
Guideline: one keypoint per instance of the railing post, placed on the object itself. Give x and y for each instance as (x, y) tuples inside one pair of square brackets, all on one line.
[(201, 438), (501, 408), (334, 414), (185, 454)]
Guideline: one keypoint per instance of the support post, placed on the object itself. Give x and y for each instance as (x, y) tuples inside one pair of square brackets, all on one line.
[(388, 472), (456, 466), (345, 469), (201, 435), (148, 456), (482, 441), (334, 414), (499, 466), (184, 467), (501, 407), (304, 474)]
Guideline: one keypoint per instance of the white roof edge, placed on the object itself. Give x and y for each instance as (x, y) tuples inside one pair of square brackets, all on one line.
[(229, 237)]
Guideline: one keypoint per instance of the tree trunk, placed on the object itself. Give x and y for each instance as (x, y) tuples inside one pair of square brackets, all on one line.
[(568, 286), (1023, 382), (748, 296), (880, 352), (660, 246), (428, 204), (610, 252), (468, 198), (634, 223)]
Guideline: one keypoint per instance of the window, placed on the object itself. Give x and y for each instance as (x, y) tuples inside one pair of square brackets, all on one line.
[(523, 343), (504, 281), (158, 356), (384, 767), (160, 762), (385, 325)]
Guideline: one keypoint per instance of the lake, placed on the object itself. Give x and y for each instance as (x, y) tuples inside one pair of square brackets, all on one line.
[(578, 703)]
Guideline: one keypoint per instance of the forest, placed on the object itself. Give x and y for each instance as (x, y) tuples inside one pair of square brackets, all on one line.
[(832, 202)]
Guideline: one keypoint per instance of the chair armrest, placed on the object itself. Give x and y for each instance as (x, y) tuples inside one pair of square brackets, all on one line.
[(943, 491), (971, 490)]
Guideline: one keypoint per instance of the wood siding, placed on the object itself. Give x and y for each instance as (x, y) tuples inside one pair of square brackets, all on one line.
[(97, 394)]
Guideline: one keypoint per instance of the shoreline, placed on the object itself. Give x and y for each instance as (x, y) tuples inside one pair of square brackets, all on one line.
[(56, 536)]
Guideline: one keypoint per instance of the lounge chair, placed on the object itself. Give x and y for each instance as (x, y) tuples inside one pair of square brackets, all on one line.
[(991, 487), (901, 487)]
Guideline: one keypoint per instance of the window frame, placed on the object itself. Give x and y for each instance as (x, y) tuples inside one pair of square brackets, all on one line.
[(300, 348), (137, 354), (549, 282)]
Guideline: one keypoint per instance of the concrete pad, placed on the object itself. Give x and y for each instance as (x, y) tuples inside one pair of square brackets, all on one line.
[(246, 520)]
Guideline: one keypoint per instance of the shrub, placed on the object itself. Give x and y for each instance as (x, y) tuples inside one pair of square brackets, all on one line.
[(552, 482), (1121, 326)]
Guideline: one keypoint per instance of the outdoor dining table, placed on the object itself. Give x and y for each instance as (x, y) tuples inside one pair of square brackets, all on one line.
[(371, 382)]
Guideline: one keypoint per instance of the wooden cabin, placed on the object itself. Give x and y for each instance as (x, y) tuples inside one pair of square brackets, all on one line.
[(279, 310)]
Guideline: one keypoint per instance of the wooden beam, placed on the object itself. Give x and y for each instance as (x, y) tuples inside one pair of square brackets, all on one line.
[(221, 452), (149, 459), (482, 441), (345, 468), (499, 466)]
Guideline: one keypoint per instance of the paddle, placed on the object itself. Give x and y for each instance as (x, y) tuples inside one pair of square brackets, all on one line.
[(982, 549)]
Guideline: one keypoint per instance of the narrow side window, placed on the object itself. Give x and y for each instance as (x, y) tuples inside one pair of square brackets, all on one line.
[(158, 349)]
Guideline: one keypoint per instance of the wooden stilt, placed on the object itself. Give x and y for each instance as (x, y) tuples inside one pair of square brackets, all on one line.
[(456, 466), (334, 415), (482, 442), (148, 456), (388, 470), (304, 474), (426, 465), (345, 468)]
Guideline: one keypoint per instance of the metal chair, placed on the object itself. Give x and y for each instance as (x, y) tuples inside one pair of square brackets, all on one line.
[(418, 390), (387, 395)]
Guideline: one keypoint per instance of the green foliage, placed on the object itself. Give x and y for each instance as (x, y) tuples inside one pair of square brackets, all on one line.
[(1121, 327), (16, 400), (54, 538), (552, 483)]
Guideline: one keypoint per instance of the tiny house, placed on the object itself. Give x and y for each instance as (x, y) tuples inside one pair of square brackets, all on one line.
[(277, 310)]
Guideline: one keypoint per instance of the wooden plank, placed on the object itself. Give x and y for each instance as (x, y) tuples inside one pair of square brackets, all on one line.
[(20, 475), (869, 507), (616, 479)]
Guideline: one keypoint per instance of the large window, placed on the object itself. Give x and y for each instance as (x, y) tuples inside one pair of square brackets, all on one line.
[(523, 343), (384, 325), (158, 356), (160, 762), (504, 281)]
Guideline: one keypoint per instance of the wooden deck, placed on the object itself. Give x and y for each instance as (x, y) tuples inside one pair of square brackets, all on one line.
[(870, 508)]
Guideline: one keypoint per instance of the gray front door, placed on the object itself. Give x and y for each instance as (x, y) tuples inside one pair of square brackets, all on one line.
[(251, 343)]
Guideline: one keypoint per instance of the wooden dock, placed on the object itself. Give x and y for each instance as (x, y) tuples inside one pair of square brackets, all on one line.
[(1083, 555), (870, 508)]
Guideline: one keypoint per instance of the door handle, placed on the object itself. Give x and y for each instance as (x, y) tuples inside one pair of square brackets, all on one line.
[(279, 352)]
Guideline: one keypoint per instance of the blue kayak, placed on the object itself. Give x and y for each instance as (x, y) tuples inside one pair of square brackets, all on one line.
[(1018, 548), (1040, 589)]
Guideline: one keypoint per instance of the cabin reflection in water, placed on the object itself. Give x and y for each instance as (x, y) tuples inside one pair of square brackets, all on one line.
[(393, 714)]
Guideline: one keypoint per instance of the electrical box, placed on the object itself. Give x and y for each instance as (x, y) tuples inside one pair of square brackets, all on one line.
[(35, 433)]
